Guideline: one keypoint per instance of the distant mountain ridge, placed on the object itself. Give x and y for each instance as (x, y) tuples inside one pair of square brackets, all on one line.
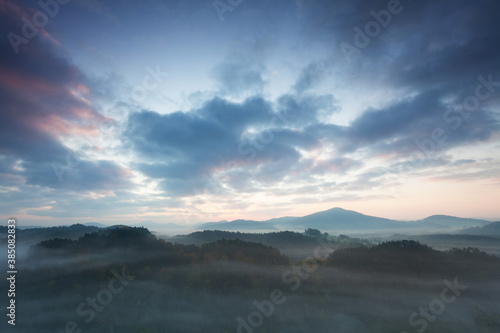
[(336, 220), (492, 229), (339, 219), (155, 225), (238, 225), (446, 220), (343, 219)]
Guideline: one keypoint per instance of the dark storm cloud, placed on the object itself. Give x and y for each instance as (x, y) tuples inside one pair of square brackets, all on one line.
[(206, 134), (438, 52), (406, 126), (428, 44), (43, 101), (398, 127), (460, 43), (183, 148), (376, 124)]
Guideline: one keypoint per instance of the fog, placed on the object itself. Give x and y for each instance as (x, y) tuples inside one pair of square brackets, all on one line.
[(346, 302), (218, 296)]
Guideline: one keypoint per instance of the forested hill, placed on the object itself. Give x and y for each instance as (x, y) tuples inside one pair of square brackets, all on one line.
[(280, 240), (36, 235), (277, 239), (127, 244), (414, 259)]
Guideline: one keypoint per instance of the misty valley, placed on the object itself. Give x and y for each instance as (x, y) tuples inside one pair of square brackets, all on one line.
[(84, 278), (264, 166)]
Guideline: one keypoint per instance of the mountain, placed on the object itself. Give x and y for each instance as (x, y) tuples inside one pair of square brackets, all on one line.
[(208, 225), (87, 224), (341, 219), (279, 221), (95, 224), (241, 225), (445, 221), (31, 236), (154, 225), (346, 221), (335, 220), (490, 243), (492, 230)]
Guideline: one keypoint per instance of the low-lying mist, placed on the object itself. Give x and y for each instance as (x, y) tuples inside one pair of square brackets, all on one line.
[(127, 280)]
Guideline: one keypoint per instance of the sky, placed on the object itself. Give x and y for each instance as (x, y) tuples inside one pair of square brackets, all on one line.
[(197, 111)]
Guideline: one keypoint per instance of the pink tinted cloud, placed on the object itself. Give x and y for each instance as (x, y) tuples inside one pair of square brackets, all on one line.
[(13, 10), (83, 89), (64, 119), (8, 7), (50, 37), (58, 127), (23, 84)]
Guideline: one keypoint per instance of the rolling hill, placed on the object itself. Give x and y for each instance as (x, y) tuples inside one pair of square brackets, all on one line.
[(445, 221), (338, 220), (492, 230), (238, 225), (341, 219)]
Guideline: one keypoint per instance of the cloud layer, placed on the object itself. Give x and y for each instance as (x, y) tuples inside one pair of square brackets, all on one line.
[(284, 118)]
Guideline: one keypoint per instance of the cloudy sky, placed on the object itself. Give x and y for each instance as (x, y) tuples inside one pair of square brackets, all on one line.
[(188, 111)]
